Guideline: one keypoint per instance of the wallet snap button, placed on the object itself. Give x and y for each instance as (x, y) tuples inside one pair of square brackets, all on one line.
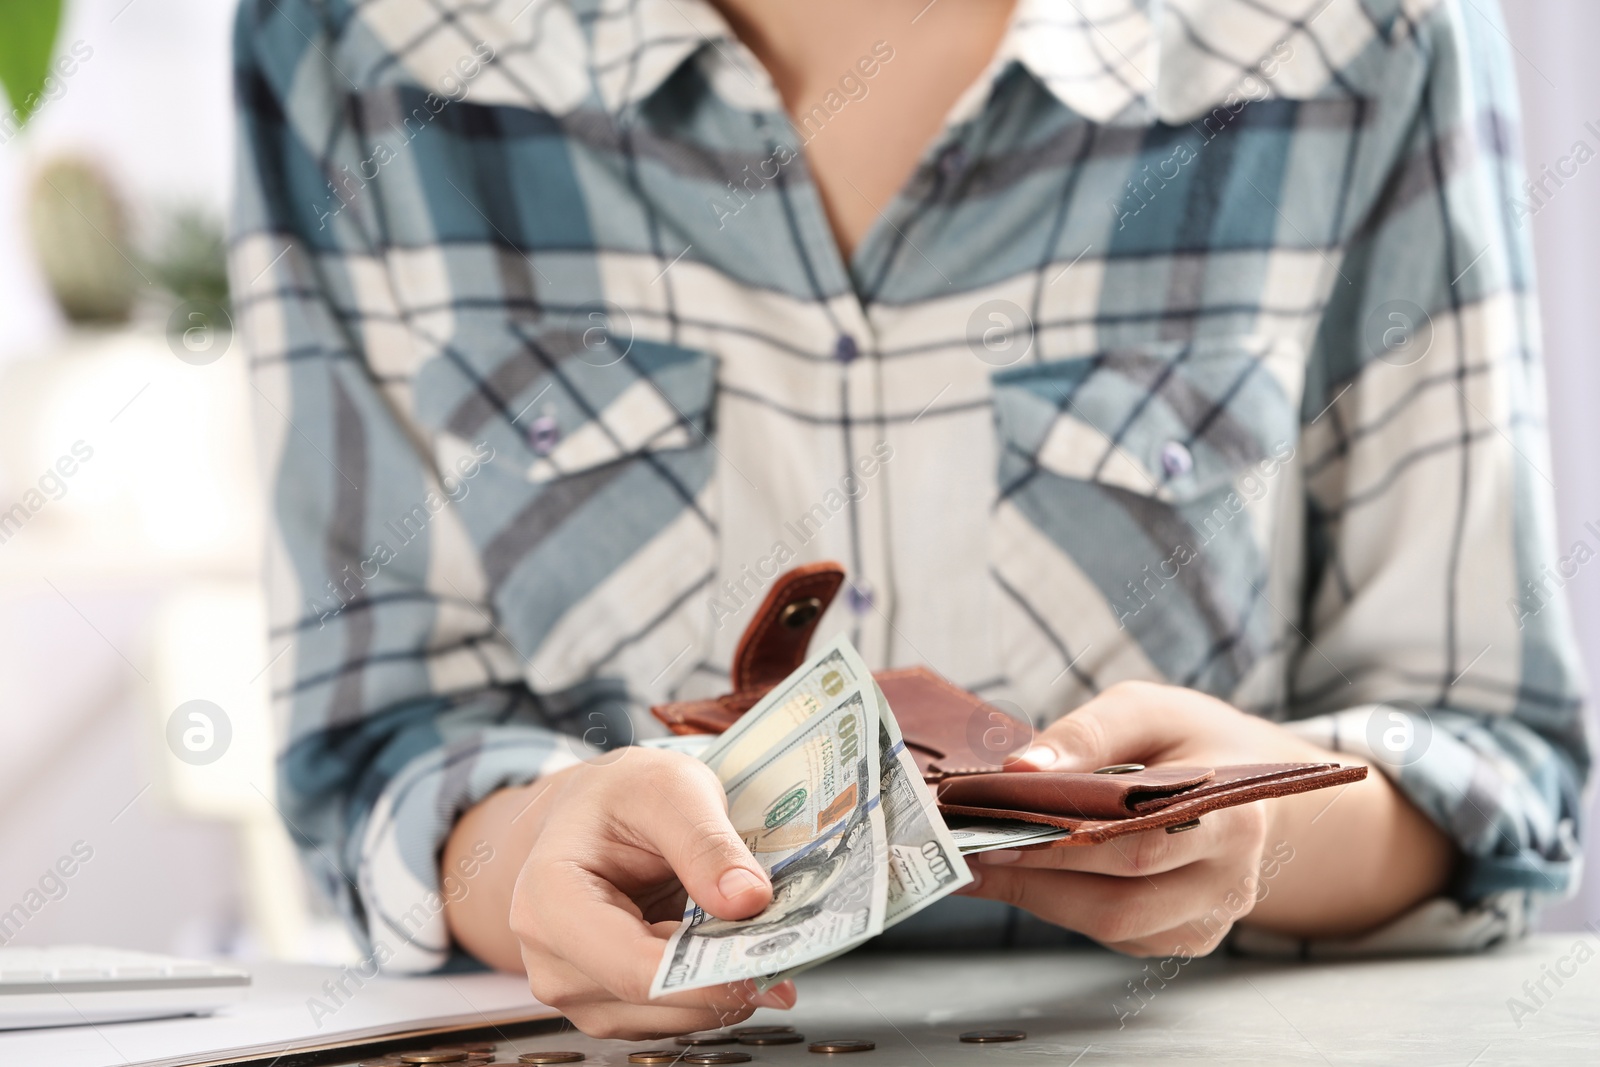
[(800, 612), (1121, 768)]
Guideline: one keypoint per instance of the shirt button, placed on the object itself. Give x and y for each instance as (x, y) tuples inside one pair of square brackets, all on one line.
[(543, 434), (844, 349), (1176, 459), (953, 161), (860, 598)]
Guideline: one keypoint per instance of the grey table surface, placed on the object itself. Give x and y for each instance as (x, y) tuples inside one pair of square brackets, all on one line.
[(1077, 1006)]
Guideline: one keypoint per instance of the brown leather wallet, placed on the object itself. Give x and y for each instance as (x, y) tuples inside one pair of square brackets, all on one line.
[(960, 741)]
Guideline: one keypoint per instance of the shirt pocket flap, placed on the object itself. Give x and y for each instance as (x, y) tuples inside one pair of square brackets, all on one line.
[(1172, 421), (555, 402)]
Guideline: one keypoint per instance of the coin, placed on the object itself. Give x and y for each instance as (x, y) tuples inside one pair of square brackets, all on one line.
[(477, 1046), (434, 1055), (712, 1037), (984, 1037), (655, 1055), (550, 1057), (716, 1057), (790, 1038), (843, 1044), (741, 1031)]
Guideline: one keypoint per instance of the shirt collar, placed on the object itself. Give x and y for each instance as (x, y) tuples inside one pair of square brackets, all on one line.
[(1121, 62), (636, 45), (1133, 62)]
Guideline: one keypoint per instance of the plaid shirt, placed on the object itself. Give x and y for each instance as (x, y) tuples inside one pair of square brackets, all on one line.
[(1200, 346)]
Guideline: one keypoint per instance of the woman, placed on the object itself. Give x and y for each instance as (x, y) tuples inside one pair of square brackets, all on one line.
[(1169, 371)]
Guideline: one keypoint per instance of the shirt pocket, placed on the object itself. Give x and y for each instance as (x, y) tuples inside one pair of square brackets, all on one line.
[(1140, 493), (593, 523)]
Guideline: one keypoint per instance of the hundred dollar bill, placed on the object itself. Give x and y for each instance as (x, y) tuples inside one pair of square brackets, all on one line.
[(824, 680), (924, 863), (985, 835), (810, 811)]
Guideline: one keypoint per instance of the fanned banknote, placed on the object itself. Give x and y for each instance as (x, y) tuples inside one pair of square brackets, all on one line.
[(821, 681), (775, 764), (810, 811), (924, 861)]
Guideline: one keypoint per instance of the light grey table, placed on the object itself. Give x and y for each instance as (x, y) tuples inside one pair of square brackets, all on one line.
[(1077, 1007)]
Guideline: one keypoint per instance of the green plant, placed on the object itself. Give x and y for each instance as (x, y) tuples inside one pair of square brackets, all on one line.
[(26, 45), (191, 259)]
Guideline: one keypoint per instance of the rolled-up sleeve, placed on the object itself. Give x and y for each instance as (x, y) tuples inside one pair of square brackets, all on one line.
[(1437, 640), (400, 702)]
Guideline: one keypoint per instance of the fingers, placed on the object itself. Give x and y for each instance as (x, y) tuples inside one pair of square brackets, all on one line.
[(593, 927), (591, 1007), (1198, 937), (1129, 722), (1232, 832), (668, 815), (558, 983), (1118, 911), (611, 840), (680, 811)]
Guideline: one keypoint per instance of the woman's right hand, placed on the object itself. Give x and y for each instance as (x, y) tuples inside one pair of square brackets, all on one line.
[(616, 843)]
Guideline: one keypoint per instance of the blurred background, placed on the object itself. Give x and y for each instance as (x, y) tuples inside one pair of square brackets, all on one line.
[(129, 570)]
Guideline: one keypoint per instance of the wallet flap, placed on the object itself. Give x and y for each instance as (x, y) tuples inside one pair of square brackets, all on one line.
[(949, 730), (1222, 780), (1074, 793), (1227, 787)]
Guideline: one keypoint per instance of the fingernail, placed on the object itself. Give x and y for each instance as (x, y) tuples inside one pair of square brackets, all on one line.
[(999, 856), (773, 999), (737, 881), (1041, 756)]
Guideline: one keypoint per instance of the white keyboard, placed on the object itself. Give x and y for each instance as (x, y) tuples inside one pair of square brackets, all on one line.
[(71, 985)]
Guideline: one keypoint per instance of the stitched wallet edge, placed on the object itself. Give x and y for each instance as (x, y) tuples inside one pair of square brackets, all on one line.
[(1098, 831)]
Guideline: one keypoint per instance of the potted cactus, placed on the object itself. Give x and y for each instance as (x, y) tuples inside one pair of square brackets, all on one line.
[(78, 223), (80, 235)]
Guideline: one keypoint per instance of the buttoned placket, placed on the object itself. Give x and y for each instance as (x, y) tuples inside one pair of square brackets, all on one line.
[(850, 350)]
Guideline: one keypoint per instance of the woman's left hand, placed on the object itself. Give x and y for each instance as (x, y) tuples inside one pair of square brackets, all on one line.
[(1161, 894)]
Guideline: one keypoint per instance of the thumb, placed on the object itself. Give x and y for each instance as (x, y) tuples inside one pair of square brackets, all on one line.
[(701, 846), (1128, 723)]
